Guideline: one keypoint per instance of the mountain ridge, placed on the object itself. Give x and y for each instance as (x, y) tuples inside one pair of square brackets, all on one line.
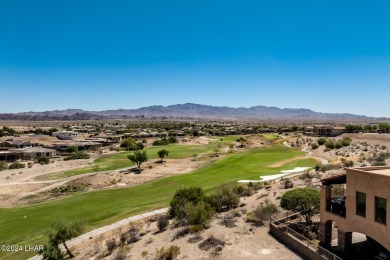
[(192, 110)]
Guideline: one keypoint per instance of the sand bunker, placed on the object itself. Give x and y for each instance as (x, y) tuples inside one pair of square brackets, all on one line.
[(296, 170), (277, 176)]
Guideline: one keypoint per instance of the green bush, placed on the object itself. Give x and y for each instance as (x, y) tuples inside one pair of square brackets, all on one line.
[(330, 144), (224, 198), (346, 141), (43, 160), (130, 145), (321, 141), (182, 197), (262, 213), (16, 165), (338, 145), (72, 149), (304, 200), (76, 156), (314, 146), (163, 141), (173, 140), (3, 166), (198, 216)]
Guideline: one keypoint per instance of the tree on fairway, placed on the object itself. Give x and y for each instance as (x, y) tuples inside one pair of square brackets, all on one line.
[(61, 231), (242, 141), (304, 200), (162, 153), (138, 158)]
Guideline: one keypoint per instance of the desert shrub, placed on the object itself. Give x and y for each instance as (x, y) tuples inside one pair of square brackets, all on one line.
[(163, 141), (169, 253), (256, 186), (262, 213), (76, 156), (338, 145), (288, 184), (247, 191), (123, 238), (379, 159), (181, 233), (195, 239), (348, 163), (162, 222), (330, 144), (229, 220), (182, 197), (199, 215), (111, 245), (130, 144), (144, 253), (211, 243), (321, 141), (43, 160), (325, 167), (3, 166), (173, 140), (120, 255), (68, 188), (133, 235), (224, 198), (346, 141), (16, 165), (314, 146), (306, 175)]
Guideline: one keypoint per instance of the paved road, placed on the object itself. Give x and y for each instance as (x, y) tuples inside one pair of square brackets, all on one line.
[(102, 230)]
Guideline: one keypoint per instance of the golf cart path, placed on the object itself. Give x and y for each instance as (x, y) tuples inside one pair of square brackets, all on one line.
[(310, 154)]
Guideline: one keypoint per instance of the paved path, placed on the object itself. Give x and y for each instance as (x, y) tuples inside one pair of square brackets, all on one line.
[(96, 232), (310, 154)]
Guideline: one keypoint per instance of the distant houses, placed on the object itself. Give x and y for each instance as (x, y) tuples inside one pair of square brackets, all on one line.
[(12, 154), (324, 130), (66, 135)]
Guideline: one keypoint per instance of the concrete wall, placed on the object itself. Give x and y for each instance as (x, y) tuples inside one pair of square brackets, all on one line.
[(293, 244)]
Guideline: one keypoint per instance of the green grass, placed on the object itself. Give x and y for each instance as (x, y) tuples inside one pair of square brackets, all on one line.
[(270, 136), (27, 224), (119, 160)]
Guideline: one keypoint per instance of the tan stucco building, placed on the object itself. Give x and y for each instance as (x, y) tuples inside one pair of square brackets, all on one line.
[(363, 209)]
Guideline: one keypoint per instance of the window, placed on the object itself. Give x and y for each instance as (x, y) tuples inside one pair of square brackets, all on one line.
[(361, 204), (380, 210)]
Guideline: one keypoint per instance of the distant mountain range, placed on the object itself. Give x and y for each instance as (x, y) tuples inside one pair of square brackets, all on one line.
[(193, 111)]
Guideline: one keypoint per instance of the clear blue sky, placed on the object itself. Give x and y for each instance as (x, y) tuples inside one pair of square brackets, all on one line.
[(329, 56)]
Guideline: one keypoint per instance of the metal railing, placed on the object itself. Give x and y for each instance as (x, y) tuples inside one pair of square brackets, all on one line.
[(280, 223)]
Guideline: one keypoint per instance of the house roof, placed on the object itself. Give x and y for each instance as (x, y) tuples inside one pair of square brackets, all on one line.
[(38, 150), (338, 179)]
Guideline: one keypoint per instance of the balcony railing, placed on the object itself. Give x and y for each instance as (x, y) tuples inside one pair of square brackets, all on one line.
[(336, 206)]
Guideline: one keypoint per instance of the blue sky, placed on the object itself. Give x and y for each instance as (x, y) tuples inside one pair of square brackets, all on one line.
[(329, 56)]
